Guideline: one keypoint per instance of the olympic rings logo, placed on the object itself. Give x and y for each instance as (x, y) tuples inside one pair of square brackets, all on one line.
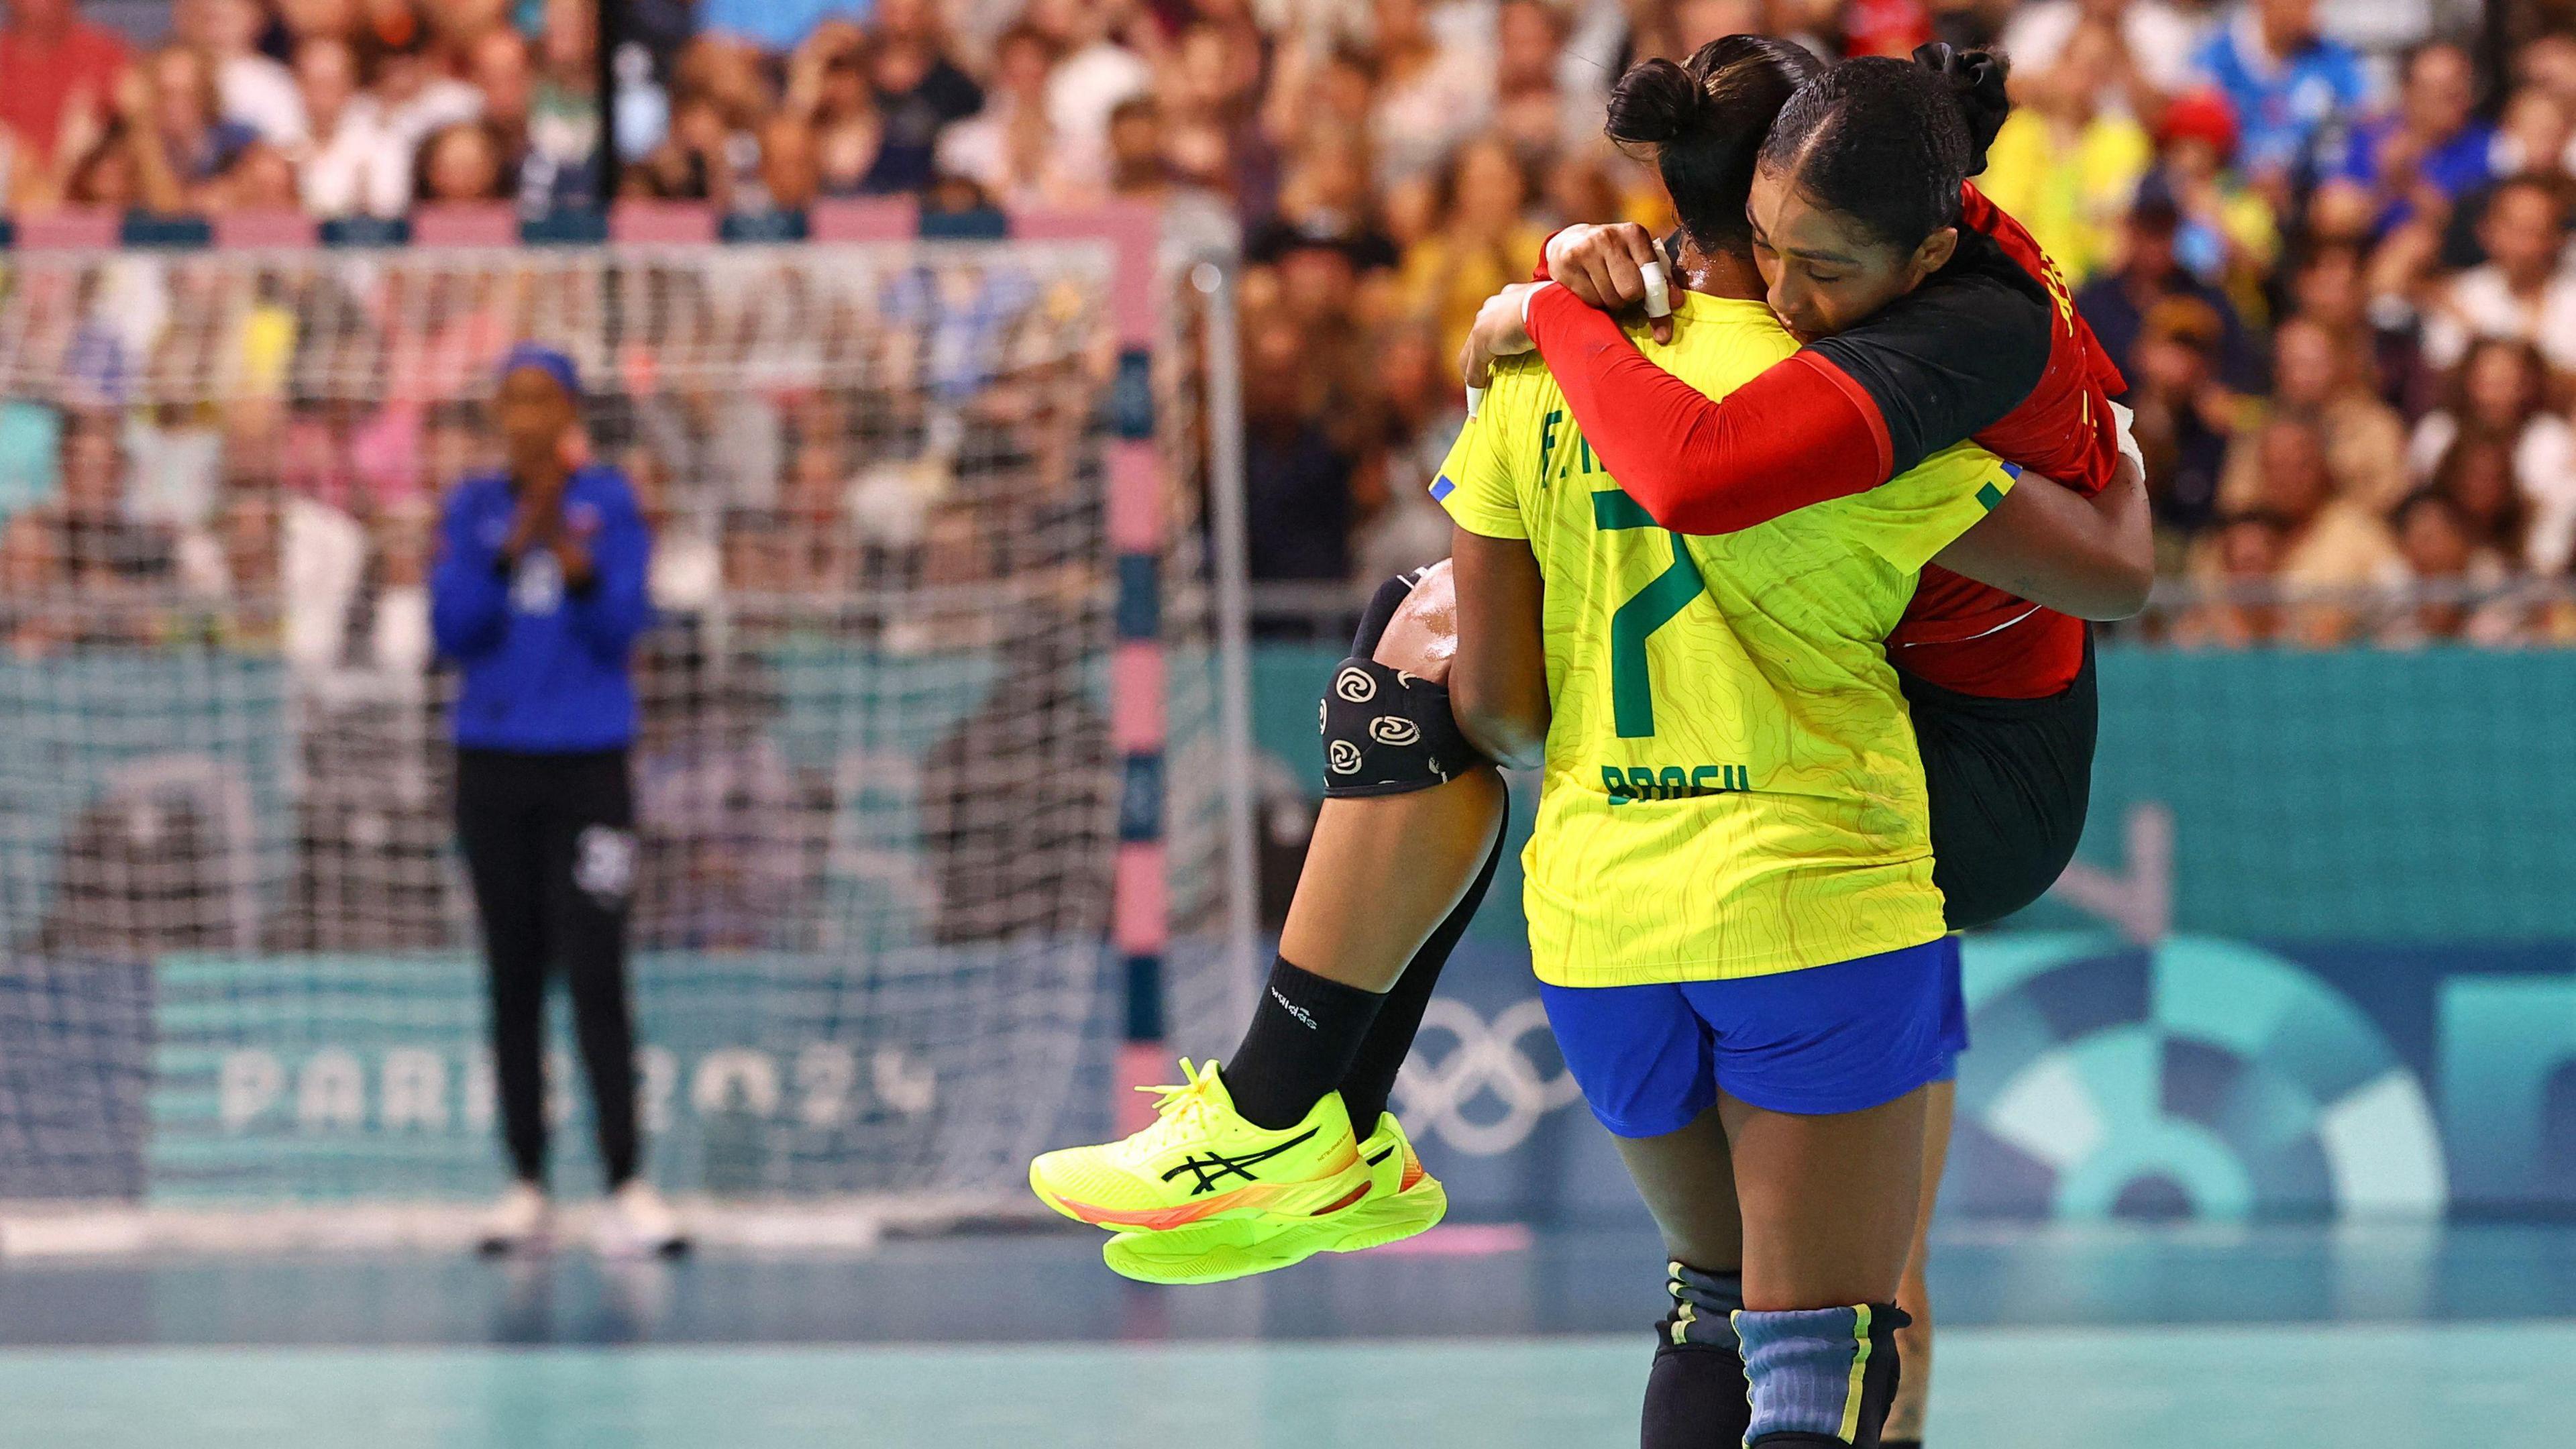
[(1488, 1061)]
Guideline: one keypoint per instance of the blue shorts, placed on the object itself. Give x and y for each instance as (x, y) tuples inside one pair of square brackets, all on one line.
[(1827, 1039), (1954, 1010)]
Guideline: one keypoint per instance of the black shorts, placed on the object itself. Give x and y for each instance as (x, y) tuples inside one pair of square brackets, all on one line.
[(2009, 780)]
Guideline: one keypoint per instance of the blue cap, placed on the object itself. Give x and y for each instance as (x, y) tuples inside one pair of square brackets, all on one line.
[(551, 361)]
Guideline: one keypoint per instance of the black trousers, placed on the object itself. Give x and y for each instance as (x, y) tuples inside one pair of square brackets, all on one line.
[(549, 842), (2010, 780)]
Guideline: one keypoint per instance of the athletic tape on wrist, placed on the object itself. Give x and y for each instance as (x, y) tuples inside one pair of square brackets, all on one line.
[(2127, 423)]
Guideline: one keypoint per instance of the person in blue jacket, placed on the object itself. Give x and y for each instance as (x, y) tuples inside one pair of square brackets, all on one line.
[(2286, 80), (538, 598)]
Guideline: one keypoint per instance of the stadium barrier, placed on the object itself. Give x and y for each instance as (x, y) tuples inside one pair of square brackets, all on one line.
[(2317, 957)]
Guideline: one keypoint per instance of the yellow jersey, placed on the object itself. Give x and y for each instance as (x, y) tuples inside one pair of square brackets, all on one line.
[(1732, 786)]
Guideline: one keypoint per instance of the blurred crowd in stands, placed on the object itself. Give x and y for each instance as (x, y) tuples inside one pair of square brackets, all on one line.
[(2326, 239)]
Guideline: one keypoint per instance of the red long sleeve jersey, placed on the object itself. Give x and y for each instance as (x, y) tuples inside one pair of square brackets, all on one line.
[(1990, 348)]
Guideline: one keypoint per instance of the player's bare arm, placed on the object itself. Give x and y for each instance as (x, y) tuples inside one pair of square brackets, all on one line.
[(1498, 685), (2094, 558)]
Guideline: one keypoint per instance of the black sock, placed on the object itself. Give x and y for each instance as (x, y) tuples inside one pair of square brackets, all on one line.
[(1371, 1078), (1305, 1031)]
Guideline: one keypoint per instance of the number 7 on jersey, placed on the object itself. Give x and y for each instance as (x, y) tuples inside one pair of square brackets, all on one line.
[(1632, 688)]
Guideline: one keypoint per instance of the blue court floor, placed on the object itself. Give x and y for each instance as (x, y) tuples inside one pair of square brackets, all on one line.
[(2148, 1337), (2206, 1387)]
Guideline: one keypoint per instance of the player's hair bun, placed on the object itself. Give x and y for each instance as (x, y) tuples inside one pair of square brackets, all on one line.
[(1707, 119), (1657, 103), (1976, 80)]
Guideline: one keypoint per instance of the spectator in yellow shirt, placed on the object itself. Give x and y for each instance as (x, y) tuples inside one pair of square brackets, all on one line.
[(2065, 164), (1482, 244)]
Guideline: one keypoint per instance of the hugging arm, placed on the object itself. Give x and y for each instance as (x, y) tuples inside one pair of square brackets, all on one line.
[(2094, 558), (1840, 416), (1498, 684)]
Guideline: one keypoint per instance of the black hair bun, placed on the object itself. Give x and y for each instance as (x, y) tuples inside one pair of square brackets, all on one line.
[(1657, 103), (1976, 80)]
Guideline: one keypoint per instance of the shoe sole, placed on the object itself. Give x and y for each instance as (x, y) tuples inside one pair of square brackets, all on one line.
[(1239, 1205), (1118, 1220), (1216, 1252), (1398, 1218)]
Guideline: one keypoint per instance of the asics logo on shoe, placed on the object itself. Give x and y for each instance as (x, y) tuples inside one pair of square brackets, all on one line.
[(1305, 1018), (1216, 1167)]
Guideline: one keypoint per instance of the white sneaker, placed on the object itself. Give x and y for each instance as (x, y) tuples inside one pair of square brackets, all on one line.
[(517, 1222), (636, 1223)]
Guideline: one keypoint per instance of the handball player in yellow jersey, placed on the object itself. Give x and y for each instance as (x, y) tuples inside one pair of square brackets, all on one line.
[(1221, 1187), (1730, 893)]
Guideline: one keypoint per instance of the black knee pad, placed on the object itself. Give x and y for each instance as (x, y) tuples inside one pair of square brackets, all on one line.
[(1695, 1395), (1703, 1311), (1387, 732), (1694, 1400)]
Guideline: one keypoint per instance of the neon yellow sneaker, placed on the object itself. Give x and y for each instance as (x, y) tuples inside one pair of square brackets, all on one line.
[(1203, 1160), (1402, 1201)]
